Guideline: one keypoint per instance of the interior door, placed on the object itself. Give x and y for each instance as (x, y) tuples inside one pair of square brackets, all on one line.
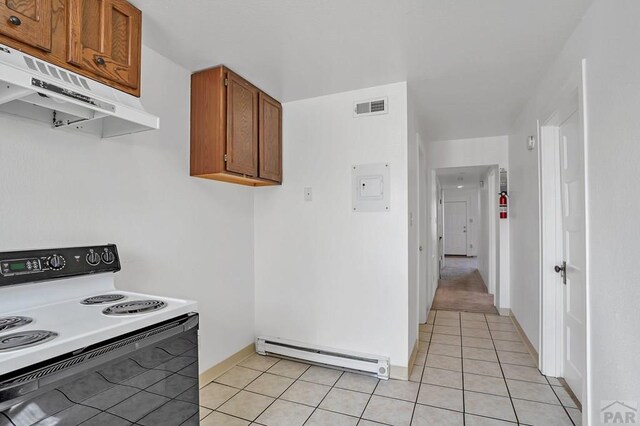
[(270, 138), (455, 228), (28, 21), (574, 248), (242, 126), (104, 38)]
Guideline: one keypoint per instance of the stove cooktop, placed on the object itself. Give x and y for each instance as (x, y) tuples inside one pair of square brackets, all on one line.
[(52, 303), (67, 325)]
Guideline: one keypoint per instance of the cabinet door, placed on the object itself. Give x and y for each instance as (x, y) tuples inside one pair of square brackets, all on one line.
[(242, 126), (27, 21), (104, 38), (270, 138)]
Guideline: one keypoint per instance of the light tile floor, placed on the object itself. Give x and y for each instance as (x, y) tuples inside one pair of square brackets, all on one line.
[(472, 370)]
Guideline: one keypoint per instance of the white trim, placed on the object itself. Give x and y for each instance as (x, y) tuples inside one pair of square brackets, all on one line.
[(505, 312), (423, 223), (551, 290), (492, 232), (587, 402)]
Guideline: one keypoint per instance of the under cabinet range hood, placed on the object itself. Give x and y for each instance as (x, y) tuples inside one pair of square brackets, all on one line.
[(37, 90)]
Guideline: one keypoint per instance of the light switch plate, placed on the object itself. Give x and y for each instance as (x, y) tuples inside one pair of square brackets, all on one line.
[(370, 187)]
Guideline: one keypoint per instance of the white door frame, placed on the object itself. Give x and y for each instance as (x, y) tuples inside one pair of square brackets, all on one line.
[(551, 289), (492, 212), (424, 296)]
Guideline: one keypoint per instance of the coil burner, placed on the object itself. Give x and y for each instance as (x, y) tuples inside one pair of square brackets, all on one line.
[(25, 339), (102, 299), (7, 323), (135, 307)]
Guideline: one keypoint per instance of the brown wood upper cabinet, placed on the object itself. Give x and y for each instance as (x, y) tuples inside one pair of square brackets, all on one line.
[(236, 130), (242, 126), (270, 137), (99, 39), (27, 21), (104, 39)]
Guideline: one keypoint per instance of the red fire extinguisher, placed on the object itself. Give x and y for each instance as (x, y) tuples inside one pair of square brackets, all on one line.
[(503, 205)]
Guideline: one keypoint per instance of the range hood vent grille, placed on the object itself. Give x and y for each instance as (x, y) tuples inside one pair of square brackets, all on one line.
[(370, 107), (57, 73)]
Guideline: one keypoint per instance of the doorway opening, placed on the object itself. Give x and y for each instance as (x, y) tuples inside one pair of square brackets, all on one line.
[(467, 238)]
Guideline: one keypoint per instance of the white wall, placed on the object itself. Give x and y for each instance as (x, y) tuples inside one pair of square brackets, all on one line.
[(608, 38), (488, 228), (471, 197), (177, 236), (324, 274), (466, 153)]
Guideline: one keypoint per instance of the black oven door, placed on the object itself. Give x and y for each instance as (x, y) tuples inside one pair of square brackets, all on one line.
[(148, 377)]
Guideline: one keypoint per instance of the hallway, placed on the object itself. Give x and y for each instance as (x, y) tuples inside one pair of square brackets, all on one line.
[(461, 287)]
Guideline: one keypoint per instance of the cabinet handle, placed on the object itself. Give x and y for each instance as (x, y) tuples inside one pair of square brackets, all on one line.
[(15, 20), (100, 60)]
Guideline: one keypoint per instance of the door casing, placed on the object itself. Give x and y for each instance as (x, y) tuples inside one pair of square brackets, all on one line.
[(551, 245)]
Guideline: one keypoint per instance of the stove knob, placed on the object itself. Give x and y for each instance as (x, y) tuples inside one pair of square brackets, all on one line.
[(56, 262), (108, 257), (93, 258)]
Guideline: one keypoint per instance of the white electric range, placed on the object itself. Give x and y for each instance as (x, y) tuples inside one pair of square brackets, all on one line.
[(69, 340)]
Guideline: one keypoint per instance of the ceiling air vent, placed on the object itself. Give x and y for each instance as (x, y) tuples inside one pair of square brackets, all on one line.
[(371, 107)]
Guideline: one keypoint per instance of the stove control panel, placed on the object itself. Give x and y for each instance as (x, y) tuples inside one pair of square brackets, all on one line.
[(19, 267)]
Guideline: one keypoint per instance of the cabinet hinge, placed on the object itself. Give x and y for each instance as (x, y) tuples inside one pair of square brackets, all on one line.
[(226, 81), (225, 158)]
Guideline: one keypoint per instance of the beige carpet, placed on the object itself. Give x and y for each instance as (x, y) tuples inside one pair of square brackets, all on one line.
[(461, 288)]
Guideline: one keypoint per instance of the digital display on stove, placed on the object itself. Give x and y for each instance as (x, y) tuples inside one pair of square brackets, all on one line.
[(15, 267), (20, 266)]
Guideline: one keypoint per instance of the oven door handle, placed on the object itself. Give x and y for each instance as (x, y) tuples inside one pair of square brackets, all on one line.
[(16, 389)]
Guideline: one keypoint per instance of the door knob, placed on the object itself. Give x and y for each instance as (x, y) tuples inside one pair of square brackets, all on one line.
[(420, 248), (562, 270), (100, 60), (15, 20)]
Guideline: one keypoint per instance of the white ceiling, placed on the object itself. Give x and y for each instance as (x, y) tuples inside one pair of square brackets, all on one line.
[(467, 177), (470, 64)]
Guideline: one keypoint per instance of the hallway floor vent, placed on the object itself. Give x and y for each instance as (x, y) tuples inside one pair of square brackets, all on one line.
[(377, 365), (370, 107)]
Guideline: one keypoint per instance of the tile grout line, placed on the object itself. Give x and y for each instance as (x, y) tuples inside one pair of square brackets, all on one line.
[(255, 393), (324, 397), (504, 378), (424, 366), (368, 401), (477, 347), (561, 403), (464, 403), (278, 397)]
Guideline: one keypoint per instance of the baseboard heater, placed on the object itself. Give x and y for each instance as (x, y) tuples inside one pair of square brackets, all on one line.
[(321, 355)]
